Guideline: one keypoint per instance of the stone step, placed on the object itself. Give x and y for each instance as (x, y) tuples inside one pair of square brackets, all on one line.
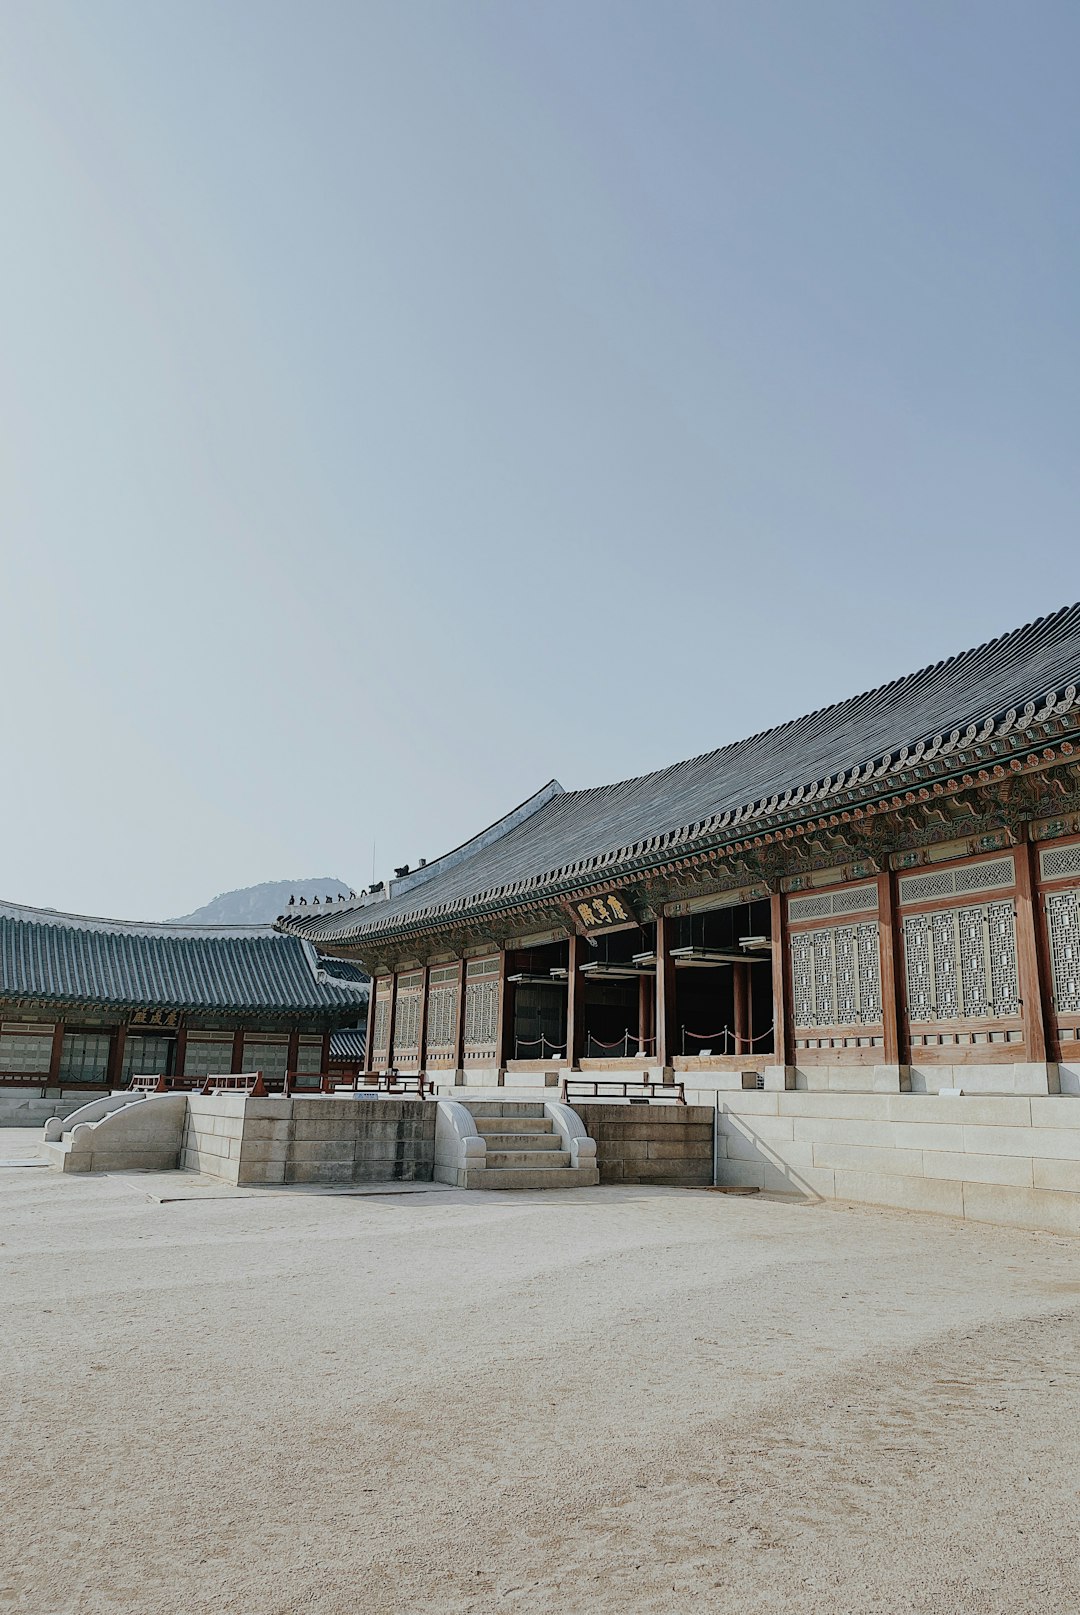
[(513, 1124), (559, 1177), (523, 1141), (526, 1160), (521, 1108)]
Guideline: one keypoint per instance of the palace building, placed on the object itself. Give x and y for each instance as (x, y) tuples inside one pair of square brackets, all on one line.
[(879, 899), (87, 1003)]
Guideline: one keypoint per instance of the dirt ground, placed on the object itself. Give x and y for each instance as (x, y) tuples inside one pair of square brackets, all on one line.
[(603, 1400)]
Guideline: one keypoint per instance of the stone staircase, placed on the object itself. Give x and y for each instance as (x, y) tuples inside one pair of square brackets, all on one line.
[(523, 1148)]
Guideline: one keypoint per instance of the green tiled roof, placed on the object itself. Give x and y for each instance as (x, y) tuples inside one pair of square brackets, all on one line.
[(52, 958)]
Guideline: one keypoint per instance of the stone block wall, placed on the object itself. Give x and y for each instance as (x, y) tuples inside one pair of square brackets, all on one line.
[(213, 1134), (1011, 1159), (658, 1144), (276, 1141)]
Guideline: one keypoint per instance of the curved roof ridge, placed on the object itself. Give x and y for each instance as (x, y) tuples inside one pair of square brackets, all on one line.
[(98, 922), (792, 725)]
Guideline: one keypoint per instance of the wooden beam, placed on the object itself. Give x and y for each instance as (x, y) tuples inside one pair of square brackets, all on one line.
[(783, 1029), (665, 993), (1036, 993)]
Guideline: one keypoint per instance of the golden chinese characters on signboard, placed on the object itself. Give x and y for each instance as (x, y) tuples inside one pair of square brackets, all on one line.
[(604, 912), (156, 1017)]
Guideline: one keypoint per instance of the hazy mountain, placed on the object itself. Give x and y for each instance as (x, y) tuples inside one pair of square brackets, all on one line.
[(259, 905)]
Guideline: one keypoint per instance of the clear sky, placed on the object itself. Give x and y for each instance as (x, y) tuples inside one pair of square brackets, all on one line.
[(404, 401)]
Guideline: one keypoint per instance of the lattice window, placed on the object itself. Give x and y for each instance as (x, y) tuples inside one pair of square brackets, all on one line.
[(1063, 924), (407, 1014), (268, 1055), (309, 1054), (869, 957), (146, 1056), (442, 1007), (836, 976), (26, 1051), (380, 1024), (1057, 862), (820, 905), (208, 1056), (85, 1057), (991, 875), (802, 978), (961, 963), (481, 1015)]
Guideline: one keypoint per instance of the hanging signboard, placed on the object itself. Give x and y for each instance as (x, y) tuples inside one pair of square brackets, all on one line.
[(605, 912)]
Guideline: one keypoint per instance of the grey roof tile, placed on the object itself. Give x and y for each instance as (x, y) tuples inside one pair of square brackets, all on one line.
[(71, 958), (973, 687)]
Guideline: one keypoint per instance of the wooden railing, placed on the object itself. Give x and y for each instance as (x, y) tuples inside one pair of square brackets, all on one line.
[(639, 1090)]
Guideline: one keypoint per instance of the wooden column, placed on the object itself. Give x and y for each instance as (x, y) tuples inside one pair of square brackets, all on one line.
[(180, 1052), (504, 1023), (893, 1010), (459, 1023), (783, 1031), (421, 1028), (115, 1069), (741, 984), (1036, 993), (324, 1060), (292, 1053), (55, 1055), (666, 1030), (575, 1004), (391, 1015), (369, 1029), (237, 1053), (646, 993)]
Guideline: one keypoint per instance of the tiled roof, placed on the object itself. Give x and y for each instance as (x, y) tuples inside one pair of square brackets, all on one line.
[(70, 958), (993, 689), (347, 1044)]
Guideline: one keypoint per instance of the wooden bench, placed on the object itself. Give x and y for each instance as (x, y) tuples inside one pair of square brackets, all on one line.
[(638, 1090)]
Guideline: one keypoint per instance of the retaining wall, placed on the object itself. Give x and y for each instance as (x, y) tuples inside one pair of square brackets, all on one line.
[(276, 1141), (659, 1144)]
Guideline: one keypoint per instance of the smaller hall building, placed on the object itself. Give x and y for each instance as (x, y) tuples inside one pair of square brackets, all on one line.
[(87, 1003)]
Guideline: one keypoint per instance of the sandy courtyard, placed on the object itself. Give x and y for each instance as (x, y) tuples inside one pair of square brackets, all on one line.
[(602, 1400)]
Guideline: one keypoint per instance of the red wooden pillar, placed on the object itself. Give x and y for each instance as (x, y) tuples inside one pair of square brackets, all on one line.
[(55, 1055), (391, 1010), (115, 1070), (646, 992), (459, 1025), (421, 1029), (1035, 988), (666, 1030), (783, 1031), (180, 1052), (893, 1013), (238, 1052), (741, 984), (292, 1053), (575, 1004), (504, 1023)]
